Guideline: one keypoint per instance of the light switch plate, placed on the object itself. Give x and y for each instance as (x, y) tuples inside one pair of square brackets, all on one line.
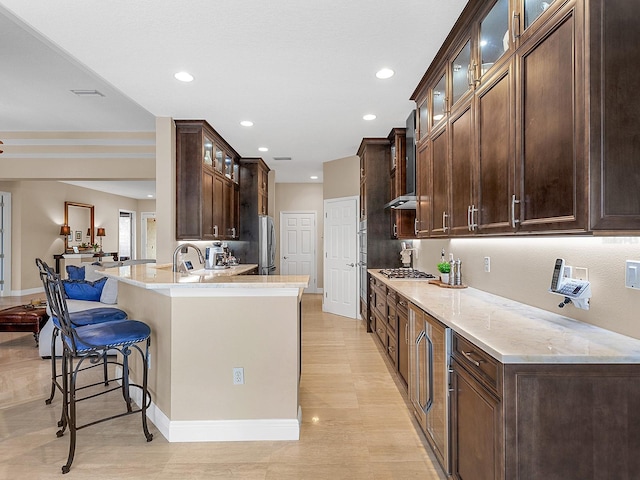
[(632, 274)]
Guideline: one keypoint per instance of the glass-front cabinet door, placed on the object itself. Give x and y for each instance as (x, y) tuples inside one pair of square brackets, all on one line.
[(423, 119), (228, 166), (461, 74), (218, 161), (439, 100), (207, 157), (533, 9), (495, 36)]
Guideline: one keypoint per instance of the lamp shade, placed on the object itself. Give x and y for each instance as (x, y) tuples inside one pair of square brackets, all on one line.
[(65, 230), (101, 232)]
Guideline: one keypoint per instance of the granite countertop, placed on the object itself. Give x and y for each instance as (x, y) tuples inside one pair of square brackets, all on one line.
[(160, 276), (513, 332)]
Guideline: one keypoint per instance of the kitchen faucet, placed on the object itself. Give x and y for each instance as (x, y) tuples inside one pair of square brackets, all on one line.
[(183, 248)]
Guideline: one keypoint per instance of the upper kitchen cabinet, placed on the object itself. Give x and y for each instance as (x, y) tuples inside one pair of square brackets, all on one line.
[(550, 119), (206, 198), (547, 139), (614, 111), (402, 221), (254, 173), (423, 187)]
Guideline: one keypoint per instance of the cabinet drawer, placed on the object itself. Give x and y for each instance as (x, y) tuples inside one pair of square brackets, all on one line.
[(478, 362), (380, 328), (402, 305), (392, 349)]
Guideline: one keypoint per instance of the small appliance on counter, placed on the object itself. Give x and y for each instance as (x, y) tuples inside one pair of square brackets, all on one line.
[(217, 256)]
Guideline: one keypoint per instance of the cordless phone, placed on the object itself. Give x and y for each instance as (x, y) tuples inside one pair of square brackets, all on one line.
[(558, 271)]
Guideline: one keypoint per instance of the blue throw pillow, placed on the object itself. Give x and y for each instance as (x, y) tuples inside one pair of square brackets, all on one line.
[(83, 289), (75, 273)]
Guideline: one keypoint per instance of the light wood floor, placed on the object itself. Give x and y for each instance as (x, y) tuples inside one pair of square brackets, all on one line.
[(356, 423)]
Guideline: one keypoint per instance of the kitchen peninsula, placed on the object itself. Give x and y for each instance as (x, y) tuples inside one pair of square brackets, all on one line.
[(204, 325)]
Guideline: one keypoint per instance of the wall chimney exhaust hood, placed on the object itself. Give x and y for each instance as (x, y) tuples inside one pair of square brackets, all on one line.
[(403, 202), (408, 201)]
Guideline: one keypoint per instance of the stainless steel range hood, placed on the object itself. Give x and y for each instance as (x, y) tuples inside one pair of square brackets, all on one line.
[(404, 202), (408, 201)]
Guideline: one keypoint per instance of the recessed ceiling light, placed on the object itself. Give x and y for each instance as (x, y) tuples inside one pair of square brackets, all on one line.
[(313, 177), (184, 76), (369, 117), (385, 73), (150, 196), (246, 123), (263, 149)]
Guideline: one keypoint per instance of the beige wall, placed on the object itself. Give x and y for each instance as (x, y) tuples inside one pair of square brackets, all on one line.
[(301, 197), (36, 216), (341, 177), (521, 270)]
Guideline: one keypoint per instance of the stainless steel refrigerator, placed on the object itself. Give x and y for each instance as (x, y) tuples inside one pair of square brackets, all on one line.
[(266, 246)]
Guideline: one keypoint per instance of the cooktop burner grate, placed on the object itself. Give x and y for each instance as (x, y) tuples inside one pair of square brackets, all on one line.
[(404, 273)]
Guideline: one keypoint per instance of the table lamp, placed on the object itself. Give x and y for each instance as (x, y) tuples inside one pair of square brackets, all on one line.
[(100, 233)]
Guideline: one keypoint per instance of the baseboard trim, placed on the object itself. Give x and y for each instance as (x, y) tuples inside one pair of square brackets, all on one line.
[(221, 430)]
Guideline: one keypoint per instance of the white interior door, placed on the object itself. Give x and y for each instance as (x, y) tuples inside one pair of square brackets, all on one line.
[(298, 246), (148, 235), (341, 257)]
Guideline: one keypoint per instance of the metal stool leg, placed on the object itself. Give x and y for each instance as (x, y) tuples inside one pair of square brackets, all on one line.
[(145, 392), (71, 408), (54, 335)]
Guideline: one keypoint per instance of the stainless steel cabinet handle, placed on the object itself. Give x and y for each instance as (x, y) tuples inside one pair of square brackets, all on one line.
[(215, 230), (444, 221), (406, 333), (468, 355), (514, 220), (395, 230), (513, 27), (429, 403), (472, 224), (233, 232), (415, 226), (469, 217)]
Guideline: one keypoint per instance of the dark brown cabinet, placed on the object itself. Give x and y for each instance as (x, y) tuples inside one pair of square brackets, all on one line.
[(540, 138), (402, 311), (380, 251), (423, 185), (206, 205), (476, 413)]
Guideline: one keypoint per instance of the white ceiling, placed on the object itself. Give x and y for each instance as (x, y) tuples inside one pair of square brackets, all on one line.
[(303, 72)]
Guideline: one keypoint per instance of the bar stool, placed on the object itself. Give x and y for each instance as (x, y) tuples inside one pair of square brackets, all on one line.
[(82, 318), (90, 343)]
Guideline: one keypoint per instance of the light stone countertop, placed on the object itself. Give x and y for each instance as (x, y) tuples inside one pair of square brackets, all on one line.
[(158, 277), (513, 332)]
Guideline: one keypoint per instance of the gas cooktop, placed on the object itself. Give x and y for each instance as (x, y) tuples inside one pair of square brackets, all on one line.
[(405, 273)]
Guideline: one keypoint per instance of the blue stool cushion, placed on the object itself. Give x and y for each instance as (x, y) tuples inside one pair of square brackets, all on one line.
[(111, 334), (94, 315), (74, 272), (84, 289)]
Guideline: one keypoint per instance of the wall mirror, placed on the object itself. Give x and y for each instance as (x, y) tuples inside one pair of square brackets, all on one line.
[(79, 217)]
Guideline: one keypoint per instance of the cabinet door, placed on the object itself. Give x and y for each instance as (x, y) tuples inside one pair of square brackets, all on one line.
[(218, 202), (614, 105), (462, 160), (495, 147), (207, 204), (403, 344), (475, 424), (439, 101), (423, 185), (550, 152), (495, 38), (461, 75), (440, 186)]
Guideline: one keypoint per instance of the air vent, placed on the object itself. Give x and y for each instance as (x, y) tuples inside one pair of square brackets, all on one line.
[(88, 93), (282, 159)]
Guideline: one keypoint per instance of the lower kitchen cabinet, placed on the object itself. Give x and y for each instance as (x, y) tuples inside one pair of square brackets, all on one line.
[(542, 421), (403, 339), (476, 413)]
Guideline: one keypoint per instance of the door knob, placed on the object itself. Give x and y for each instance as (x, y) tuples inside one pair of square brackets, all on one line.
[(350, 265), (284, 258)]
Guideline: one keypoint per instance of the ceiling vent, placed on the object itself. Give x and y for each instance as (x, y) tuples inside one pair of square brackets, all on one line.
[(282, 159), (88, 93)]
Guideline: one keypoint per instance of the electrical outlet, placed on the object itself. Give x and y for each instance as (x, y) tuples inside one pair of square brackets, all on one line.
[(487, 264), (238, 376)]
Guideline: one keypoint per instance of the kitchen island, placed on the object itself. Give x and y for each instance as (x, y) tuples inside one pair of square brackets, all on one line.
[(204, 325), (516, 392)]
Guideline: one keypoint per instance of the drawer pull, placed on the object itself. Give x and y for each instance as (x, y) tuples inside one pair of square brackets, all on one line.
[(404, 304), (468, 355)]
